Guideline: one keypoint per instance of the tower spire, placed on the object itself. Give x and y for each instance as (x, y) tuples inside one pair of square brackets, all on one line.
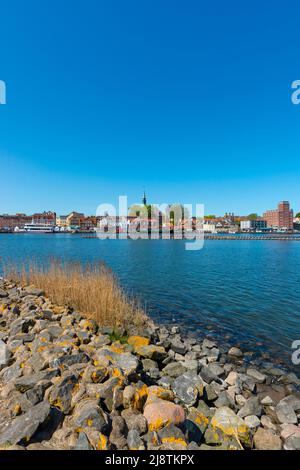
[(144, 199)]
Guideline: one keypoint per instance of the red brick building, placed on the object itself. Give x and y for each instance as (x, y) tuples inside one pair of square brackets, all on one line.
[(281, 217), (19, 220), (12, 221), (46, 218)]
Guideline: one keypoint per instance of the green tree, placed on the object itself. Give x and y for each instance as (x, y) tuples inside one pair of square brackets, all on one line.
[(252, 216), (298, 215)]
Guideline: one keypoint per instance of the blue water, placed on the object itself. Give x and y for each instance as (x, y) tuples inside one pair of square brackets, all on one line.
[(244, 292)]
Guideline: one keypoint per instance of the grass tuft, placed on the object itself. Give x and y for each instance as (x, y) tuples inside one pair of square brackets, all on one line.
[(93, 290)]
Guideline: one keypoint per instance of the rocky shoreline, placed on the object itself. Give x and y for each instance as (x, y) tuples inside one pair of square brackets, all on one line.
[(66, 383)]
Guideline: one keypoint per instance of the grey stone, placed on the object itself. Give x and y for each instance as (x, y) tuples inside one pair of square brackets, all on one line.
[(165, 382), (135, 420), (172, 433), (252, 421), (285, 413), (293, 401), (3, 294), (224, 400), (178, 346), (21, 325), (35, 291), (191, 364), (292, 443), (82, 442), (188, 387), (106, 389), (69, 360), (256, 375), (134, 441), (216, 369), (27, 382), (251, 407), (24, 426), (174, 369), (11, 373), (87, 413), (236, 352), (213, 354), (5, 355), (267, 401), (127, 362), (208, 376), (84, 336), (61, 393), (265, 439), (208, 344)]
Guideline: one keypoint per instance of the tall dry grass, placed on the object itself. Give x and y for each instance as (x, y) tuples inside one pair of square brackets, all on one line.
[(93, 290)]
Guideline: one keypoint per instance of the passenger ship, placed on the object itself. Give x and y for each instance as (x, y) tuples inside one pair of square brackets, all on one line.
[(38, 228)]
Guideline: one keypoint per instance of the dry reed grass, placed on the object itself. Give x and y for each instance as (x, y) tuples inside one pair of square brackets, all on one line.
[(93, 290)]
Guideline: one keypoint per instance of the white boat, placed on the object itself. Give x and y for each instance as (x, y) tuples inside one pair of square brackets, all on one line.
[(38, 228)]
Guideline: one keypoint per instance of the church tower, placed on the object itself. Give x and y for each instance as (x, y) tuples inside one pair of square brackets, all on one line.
[(144, 199)]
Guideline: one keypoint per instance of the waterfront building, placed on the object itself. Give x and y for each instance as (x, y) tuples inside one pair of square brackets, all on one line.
[(88, 223), (209, 228), (282, 217), (11, 222), (253, 224), (74, 220), (61, 221), (45, 218)]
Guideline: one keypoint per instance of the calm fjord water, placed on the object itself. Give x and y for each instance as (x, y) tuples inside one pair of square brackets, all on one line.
[(246, 290)]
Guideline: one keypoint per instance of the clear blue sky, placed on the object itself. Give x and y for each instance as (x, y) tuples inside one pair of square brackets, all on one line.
[(190, 100)]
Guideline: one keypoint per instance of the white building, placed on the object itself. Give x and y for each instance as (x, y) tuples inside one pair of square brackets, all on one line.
[(209, 228), (255, 224)]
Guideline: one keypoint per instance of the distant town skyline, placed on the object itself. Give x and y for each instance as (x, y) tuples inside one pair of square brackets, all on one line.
[(145, 201), (192, 103)]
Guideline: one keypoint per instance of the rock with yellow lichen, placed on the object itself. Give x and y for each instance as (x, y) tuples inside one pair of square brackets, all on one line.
[(160, 413), (188, 387), (68, 383), (227, 421), (60, 395), (127, 362), (22, 428), (88, 414), (155, 392), (195, 425), (138, 341), (172, 438), (156, 353)]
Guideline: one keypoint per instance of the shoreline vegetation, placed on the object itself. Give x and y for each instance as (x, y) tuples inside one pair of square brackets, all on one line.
[(92, 289), (82, 367)]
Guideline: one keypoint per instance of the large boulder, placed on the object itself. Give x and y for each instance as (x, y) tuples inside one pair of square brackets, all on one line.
[(174, 369), (87, 413), (285, 413), (138, 341), (252, 406), (265, 439), (227, 421), (161, 413), (60, 395), (156, 353), (23, 427), (127, 362), (188, 387)]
